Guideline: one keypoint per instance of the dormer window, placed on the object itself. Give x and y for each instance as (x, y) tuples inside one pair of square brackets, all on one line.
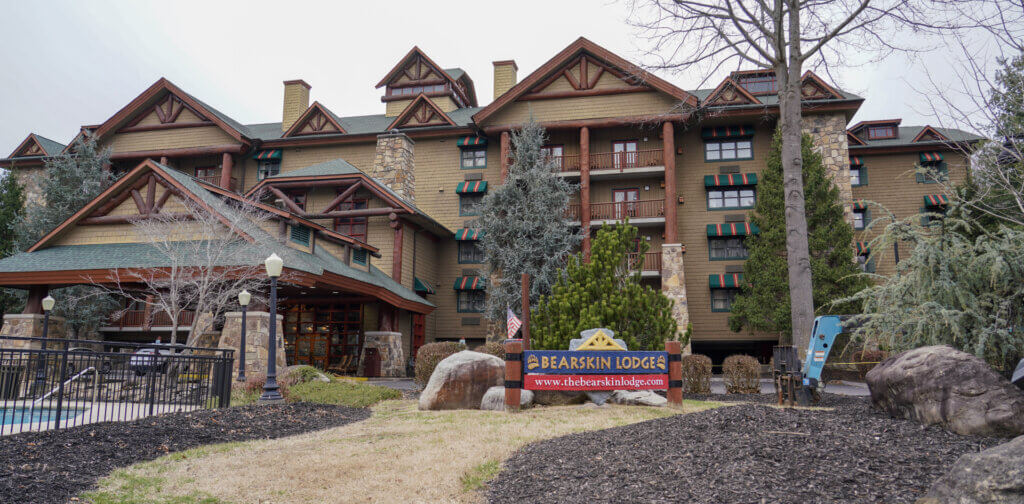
[(881, 132), (416, 90), (759, 84)]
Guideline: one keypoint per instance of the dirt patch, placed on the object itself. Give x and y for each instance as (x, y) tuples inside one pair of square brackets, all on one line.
[(742, 453), (53, 466)]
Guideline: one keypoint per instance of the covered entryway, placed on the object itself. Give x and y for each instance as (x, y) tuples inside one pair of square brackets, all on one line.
[(326, 335)]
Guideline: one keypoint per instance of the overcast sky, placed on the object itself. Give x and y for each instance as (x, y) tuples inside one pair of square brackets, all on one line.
[(72, 63)]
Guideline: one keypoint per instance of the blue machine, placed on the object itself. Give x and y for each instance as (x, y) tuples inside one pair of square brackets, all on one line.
[(823, 335), (801, 383)]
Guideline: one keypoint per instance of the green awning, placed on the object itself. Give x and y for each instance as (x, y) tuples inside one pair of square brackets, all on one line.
[(934, 200), (733, 229), (471, 141), (470, 283), (725, 281), (931, 157), (727, 132), (468, 234), (859, 204), (856, 161), (477, 186), (730, 179), (264, 155), (421, 287), (863, 248)]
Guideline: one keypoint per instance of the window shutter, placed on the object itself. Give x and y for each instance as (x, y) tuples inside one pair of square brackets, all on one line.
[(863, 175), (869, 267), (924, 218), (359, 256), (300, 235), (867, 217)]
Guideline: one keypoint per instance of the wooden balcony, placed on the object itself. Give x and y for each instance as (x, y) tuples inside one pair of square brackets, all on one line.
[(135, 319), (643, 209), (651, 261), (622, 160), (215, 180)]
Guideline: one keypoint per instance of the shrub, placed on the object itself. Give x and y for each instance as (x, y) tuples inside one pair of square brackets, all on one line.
[(300, 374), (430, 354), (696, 374), (865, 356), (742, 374), (250, 391), (341, 392), (494, 348)]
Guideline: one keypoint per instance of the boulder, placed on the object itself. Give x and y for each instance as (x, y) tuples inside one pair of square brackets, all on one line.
[(461, 380), (995, 475), (559, 397), (944, 386), (494, 399), (599, 397), (637, 398)]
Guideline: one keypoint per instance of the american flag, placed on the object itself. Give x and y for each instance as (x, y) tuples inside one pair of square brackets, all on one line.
[(513, 323)]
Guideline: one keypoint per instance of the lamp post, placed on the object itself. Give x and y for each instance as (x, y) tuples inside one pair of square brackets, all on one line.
[(48, 303), (243, 299), (271, 392)]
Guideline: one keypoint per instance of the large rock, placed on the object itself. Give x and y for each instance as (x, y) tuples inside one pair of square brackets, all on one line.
[(995, 475), (461, 380), (941, 385), (637, 398), (559, 397), (494, 399)]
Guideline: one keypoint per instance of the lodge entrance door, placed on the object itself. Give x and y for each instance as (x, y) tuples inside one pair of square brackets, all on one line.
[(327, 336)]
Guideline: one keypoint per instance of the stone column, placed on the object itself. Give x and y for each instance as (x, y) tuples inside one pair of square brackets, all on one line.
[(673, 285), (829, 134), (256, 335), (389, 351), (29, 325), (394, 165)]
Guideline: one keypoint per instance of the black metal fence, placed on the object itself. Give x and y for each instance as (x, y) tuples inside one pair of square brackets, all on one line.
[(56, 383)]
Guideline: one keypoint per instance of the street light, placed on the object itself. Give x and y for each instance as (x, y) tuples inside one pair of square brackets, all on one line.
[(271, 392), (48, 303), (243, 299)]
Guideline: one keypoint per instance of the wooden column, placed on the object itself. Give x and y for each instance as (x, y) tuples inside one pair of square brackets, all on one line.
[(505, 148), (163, 160), (585, 189), (34, 303), (396, 259), (226, 164), (513, 374), (675, 374), (671, 198)]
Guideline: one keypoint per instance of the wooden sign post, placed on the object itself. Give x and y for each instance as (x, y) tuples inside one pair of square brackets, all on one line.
[(675, 373), (513, 374)]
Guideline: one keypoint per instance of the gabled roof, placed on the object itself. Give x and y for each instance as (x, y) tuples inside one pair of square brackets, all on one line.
[(320, 116), (909, 139), (853, 139), (862, 124), (730, 92), (932, 132), (425, 110), (37, 146), (152, 95), (452, 75), (811, 78), (567, 55)]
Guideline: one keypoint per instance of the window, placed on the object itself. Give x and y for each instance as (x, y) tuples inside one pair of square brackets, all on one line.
[(726, 248), (730, 198), (554, 153), (469, 203), (759, 84), (932, 173), (728, 150), (722, 299), (861, 218), (300, 235), (359, 256), (866, 263), (881, 132), (858, 176), (352, 226), (625, 202), (474, 158), (471, 301), (268, 168), (932, 220), (470, 252), (415, 90), (625, 154), (207, 174), (297, 197)]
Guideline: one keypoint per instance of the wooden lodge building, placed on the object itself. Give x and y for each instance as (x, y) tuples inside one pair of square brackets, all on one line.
[(374, 214)]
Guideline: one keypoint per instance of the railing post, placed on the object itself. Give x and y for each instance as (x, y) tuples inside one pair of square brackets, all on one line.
[(60, 384), (152, 386), (675, 373), (513, 374)]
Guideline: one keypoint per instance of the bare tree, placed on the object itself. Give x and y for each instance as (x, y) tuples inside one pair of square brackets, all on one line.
[(785, 36), (204, 263)]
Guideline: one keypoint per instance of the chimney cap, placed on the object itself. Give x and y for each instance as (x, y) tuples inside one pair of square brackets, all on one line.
[(298, 81), (506, 62)]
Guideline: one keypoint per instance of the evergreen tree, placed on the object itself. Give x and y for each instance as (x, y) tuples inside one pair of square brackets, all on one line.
[(69, 181), (12, 200), (524, 224), (763, 303), (604, 292)]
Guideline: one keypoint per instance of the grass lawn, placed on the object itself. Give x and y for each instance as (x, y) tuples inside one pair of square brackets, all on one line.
[(400, 454), (339, 391)]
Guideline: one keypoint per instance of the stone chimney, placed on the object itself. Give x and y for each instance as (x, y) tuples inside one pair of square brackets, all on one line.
[(296, 101), (504, 76), (394, 165)]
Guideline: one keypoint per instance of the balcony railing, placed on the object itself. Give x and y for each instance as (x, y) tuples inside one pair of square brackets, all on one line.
[(137, 318), (566, 163), (215, 180), (623, 160), (651, 261), (620, 210)]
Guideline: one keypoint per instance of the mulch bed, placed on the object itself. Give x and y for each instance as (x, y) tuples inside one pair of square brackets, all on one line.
[(746, 453), (52, 466)]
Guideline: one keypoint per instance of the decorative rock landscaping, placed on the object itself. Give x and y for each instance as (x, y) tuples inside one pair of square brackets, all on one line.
[(494, 399), (461, 380), (995, 475)]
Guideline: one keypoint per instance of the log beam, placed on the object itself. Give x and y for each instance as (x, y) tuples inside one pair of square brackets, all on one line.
[(287, 201), (362, 212), (128, 219), (595, 123), (185, 152), (342, 197), (227, 163), (585, 189), (396, 258), (671, 200)]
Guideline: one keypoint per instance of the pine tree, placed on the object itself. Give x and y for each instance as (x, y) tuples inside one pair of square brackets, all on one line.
[(604, 292), (763, 303), (524, 224), (12, 200)]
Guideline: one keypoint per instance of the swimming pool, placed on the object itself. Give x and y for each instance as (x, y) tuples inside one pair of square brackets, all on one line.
[(16, 416)]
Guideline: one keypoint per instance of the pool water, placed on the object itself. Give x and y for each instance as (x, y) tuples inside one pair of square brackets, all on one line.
[(14, 416)]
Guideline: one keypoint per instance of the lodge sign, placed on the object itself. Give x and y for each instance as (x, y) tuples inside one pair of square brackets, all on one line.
[(594, 362)]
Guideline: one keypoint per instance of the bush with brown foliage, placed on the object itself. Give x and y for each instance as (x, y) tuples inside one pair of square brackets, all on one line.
[(868, 356), (742, 374), (696, 374), (493, 348), (254, 385), (432, 353)]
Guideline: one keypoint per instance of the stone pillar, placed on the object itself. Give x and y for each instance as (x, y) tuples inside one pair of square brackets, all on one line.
[(29, 325), (829, 134), (394, 165), (673, 285), (256, 334), (389, 350)]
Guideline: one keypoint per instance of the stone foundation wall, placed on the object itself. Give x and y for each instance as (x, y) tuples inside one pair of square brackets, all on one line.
[(673, 285), (829, 134), (389, 348), (29, 326), (256, 335)]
